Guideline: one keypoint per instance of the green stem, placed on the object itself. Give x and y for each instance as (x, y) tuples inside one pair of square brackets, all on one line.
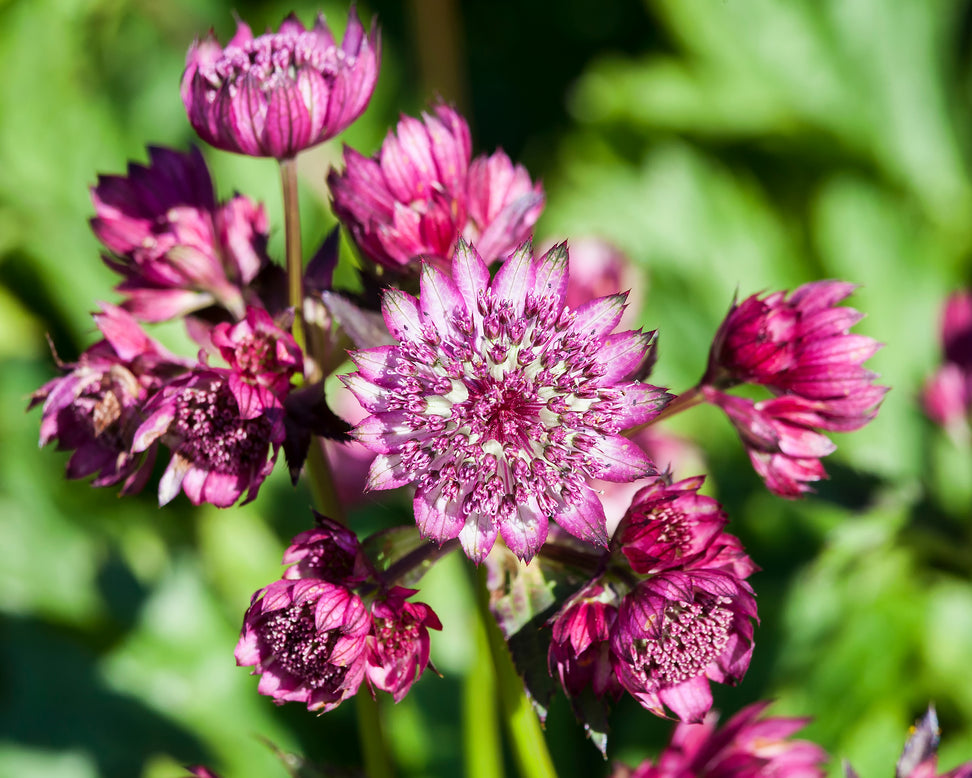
[(374, 750), (321, 482), (482, 747), (526, 736), (295, 261)]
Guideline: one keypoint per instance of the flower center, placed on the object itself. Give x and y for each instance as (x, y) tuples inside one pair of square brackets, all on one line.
[(273, 60), (301, 649), (213, 435), (685, 640)]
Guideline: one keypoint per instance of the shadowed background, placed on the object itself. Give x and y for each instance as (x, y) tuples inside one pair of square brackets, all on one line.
[(723, 145)]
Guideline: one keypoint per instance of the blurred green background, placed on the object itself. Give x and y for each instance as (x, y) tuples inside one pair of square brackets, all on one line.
[(723, 144)]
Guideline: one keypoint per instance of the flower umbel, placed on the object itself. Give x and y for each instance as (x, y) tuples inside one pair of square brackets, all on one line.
[(498, 401), (279, 93)]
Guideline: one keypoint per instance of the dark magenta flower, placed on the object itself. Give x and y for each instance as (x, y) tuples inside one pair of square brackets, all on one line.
[(669, 526), (279, 93), (677, 631), (329, 552), (795, 344), (782, 436), (263, 357), (421, 193), (219, 449), (307, 639), (176, 247), (398, 646), (95, 408), (498, 402), (947, 396), (745, 747), (580, 651)]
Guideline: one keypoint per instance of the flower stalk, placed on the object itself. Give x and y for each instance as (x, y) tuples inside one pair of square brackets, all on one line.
[(295, 262), (523, 727)]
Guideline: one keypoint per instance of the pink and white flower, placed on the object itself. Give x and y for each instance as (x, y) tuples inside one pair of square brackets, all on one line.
[(498, 402)]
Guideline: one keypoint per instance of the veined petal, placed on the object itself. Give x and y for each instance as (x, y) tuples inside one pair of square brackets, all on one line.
[(623, 459), (401, 312)]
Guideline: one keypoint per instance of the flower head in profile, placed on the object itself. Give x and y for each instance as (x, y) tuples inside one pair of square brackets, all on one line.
[(746, 746), (176, 247), (421, 193), (398, 647), (279, 93), (220, 449), (95, 408), (498, 402), (580, 653), (676, 632)]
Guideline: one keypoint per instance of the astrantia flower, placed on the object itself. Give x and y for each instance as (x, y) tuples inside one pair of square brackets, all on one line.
[(219, 450), (306, 639), (398, 647), (262, 358), (499, 401), (745, 747), (420, 193), (282, 92), (330, 552), (795, 344), (580, 653), (96, 407), (669, 525), (677, 631), (177, 249), (782, 437), (799, 346)]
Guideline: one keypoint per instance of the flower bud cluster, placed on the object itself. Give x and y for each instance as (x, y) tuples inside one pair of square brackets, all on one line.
[(671, 612), (330, 624)]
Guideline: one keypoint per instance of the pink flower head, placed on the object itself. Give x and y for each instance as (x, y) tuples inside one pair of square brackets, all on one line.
[(262, 357), (398, 646), (282, 92), (96, 406), (580, 653), (219, 450), (669, 525), (947, 396), (782, 437), (307, 640), (177, 249), (746, 747), (796, 344), (329, 552), (498, 402), (679, 630), (420, 193)]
